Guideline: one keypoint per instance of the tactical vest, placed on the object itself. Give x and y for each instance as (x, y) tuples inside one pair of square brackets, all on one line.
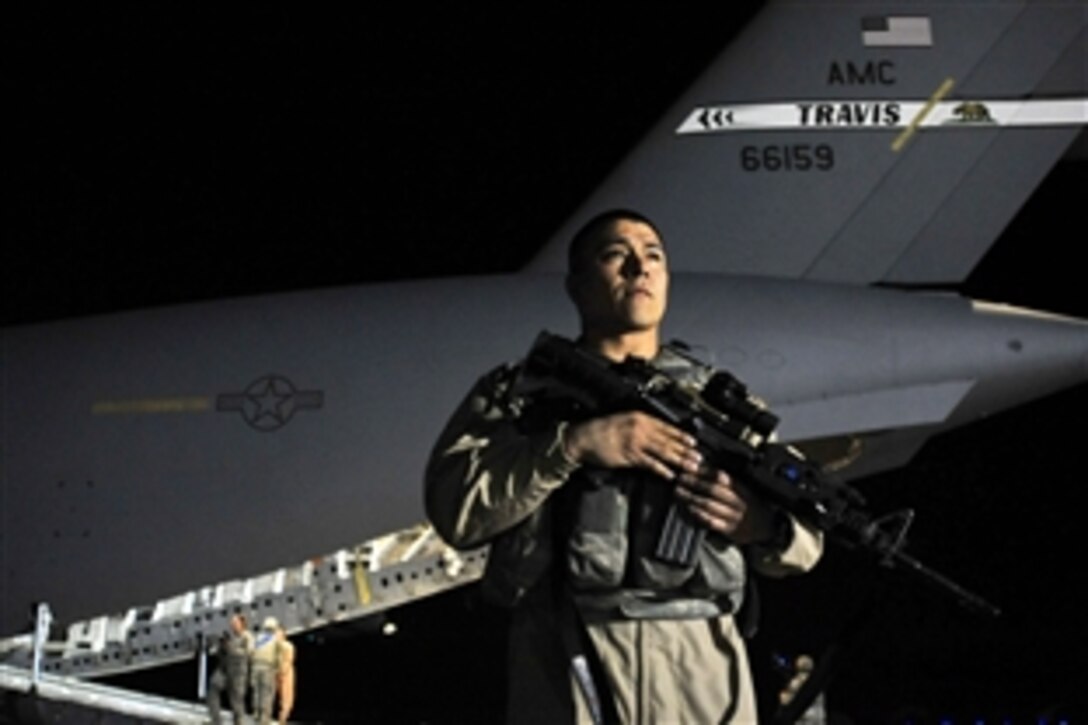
[(598, 532)]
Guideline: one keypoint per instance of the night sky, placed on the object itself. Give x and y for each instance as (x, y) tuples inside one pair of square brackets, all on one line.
[(169, 154)]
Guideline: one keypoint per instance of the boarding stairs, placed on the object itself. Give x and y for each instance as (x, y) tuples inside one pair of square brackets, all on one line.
[(347, 584)]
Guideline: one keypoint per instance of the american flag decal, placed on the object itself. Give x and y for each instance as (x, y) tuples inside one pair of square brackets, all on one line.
[(888, 31)]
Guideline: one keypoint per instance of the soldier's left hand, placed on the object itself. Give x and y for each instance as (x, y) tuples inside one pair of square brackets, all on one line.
[(726, 506)]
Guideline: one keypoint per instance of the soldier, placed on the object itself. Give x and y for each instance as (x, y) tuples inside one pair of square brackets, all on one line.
[(599, 625), (285, 676), (265, 664), (232, 670)]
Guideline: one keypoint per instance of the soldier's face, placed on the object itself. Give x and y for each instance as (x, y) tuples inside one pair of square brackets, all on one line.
[(622, 283), (236, 624)]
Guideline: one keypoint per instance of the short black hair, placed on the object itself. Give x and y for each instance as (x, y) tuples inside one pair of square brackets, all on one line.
[(590, 232)]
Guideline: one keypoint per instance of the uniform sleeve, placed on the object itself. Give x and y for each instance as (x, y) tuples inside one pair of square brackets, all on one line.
[(803, 548), (484, 474)]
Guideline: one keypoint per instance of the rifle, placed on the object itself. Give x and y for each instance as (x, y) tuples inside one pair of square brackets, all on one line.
[(733, 430)]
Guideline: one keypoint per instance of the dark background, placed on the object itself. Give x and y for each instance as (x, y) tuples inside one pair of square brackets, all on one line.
[(166, 155), (158, 155)]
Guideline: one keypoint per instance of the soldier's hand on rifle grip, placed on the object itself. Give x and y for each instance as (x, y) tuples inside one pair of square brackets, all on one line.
[(726, 506), (632, 440)]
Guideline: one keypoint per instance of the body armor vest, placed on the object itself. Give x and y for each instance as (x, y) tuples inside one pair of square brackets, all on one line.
[(599, 531)]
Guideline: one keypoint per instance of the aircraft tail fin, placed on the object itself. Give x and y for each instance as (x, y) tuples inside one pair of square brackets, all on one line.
[(857, 142)]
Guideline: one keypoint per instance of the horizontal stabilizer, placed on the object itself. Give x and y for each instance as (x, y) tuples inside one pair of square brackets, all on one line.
[(873, 410)]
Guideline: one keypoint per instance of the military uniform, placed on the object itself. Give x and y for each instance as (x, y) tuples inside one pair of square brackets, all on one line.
[(285, 679), (667, 642), (265, 665), (231, 674)]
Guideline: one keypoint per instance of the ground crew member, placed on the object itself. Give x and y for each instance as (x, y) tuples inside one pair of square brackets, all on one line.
[(264, 666), (286, 676), (232, 670)]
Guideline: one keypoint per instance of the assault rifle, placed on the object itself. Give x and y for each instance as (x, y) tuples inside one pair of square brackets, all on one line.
[(733, 432)]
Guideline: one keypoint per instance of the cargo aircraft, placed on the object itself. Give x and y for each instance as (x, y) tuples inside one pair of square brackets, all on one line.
[(824, 188)]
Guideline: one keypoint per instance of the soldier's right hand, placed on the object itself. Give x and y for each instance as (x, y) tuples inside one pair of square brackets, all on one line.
[(632, 439)]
